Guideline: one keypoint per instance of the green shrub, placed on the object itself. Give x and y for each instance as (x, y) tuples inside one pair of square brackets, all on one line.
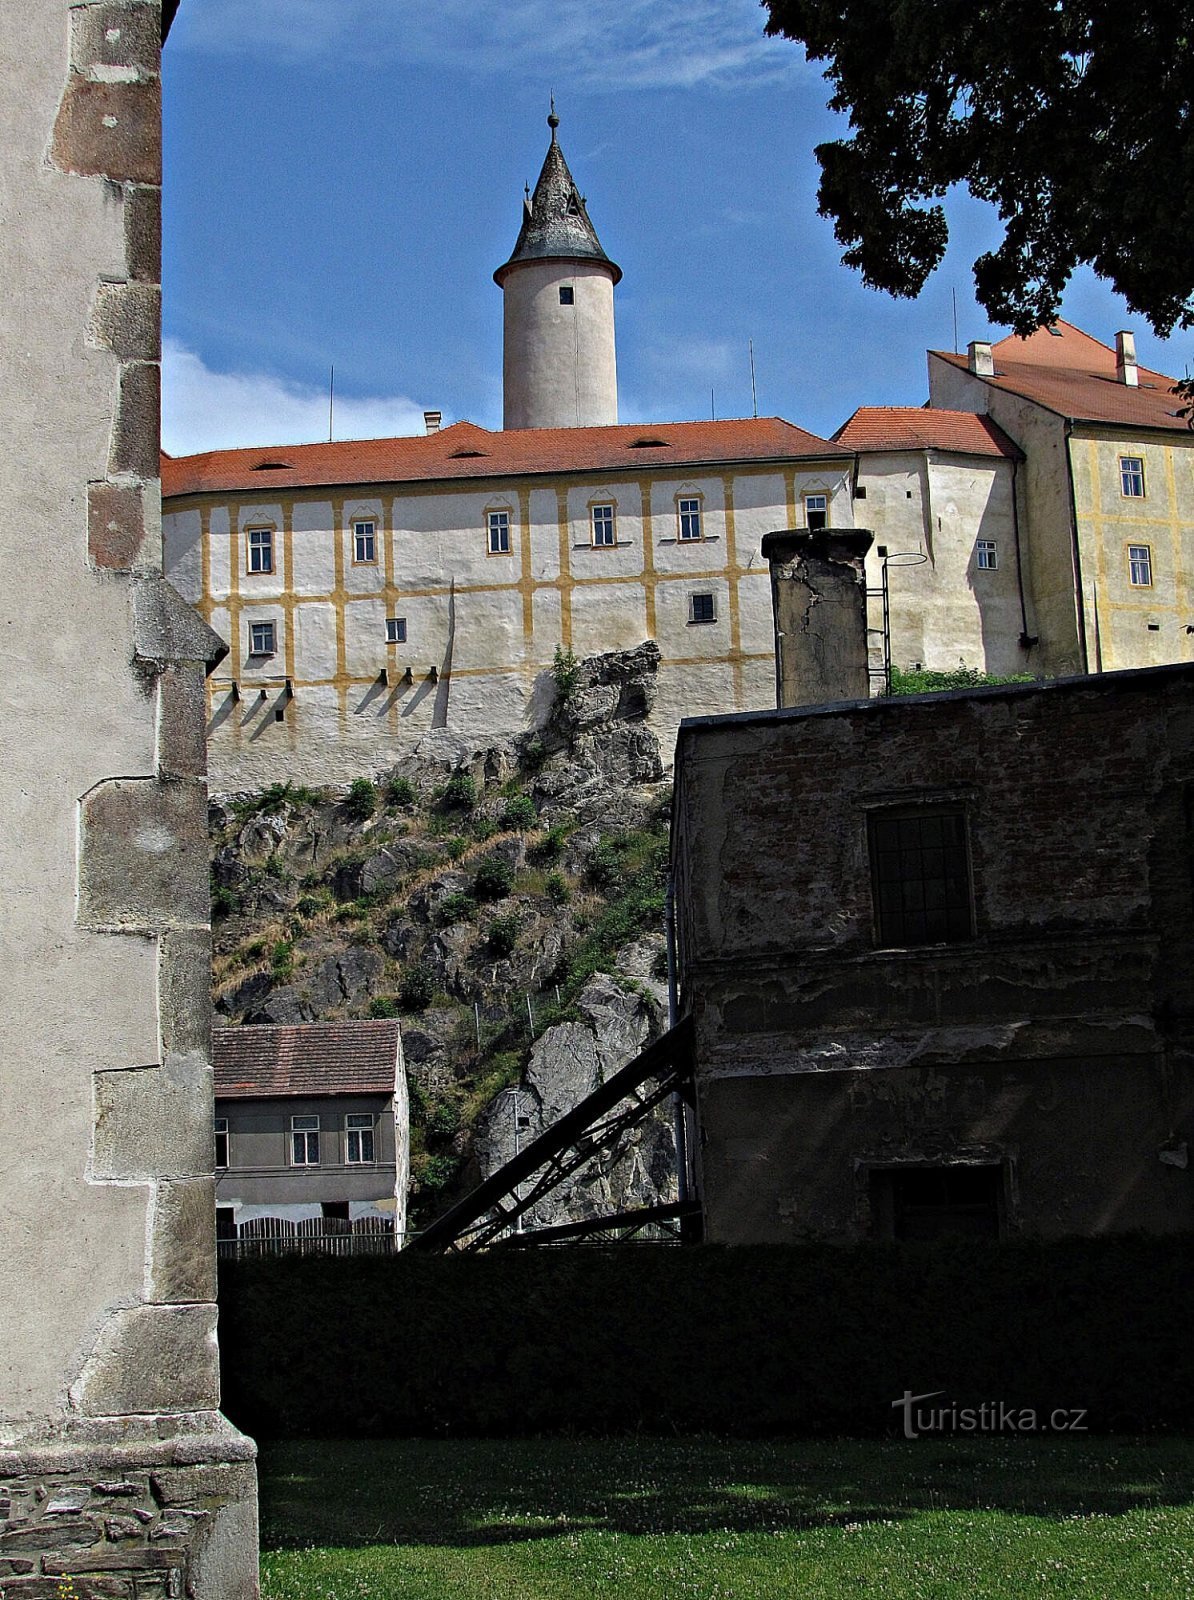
[(502, 934), (556, 889), (437, 1171), (223, 902), (455, 847), (916, 680), (602, 866), (455, 908), (415, 989), (399, 792), (459, 793), (361, 800), (565, 671), (384, 1006), (282, 961), (483, 828), (519, 812), (442, 1119), (550, 846), (533, 754), (494, 878), (310, 905)]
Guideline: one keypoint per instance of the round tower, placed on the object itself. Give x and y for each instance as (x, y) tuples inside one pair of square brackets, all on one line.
[(558, 363)]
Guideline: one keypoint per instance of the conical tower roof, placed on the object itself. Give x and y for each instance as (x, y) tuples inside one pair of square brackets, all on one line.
[(555, 224)]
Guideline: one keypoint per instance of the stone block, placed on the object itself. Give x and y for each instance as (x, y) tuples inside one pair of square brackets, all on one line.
[(182, 1254), (110, 130), (152, 1358), (224, 1553), (143, 233), (153, 1122), (143, 856), (126, 318), (184, 992), (166, 629), (116, 42), (135, 447), (182, 709), (115, 526)]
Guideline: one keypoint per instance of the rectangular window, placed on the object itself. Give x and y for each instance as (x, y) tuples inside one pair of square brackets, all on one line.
[(364, 541), (395, 630), (1140, 566), (920, 877), (938, 1202), (304, 1141), (816, 511), (567, 294), (701, 608), (603, 525), (499, 533), (261, 549), (262, 641), (221, 1141), (988, 555), (1131, 476), (690, 519), (359, 1138)]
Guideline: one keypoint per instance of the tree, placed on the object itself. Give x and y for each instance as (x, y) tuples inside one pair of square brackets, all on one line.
[(1073, 117)]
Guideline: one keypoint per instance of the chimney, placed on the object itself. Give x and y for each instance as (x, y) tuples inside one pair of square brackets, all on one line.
[(1125, 359), (980, 358), (818, 597), (432, 420)]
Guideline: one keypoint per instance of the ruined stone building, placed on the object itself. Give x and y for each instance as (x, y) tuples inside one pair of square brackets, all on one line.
[(937, 951), (118, 1475), (372, 590)]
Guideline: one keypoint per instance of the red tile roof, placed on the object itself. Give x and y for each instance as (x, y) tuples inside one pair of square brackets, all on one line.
[(1074, 375), (925, 428), (313, 1058), (467, 451)]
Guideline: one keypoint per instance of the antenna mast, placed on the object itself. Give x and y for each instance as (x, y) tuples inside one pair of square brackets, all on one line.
[(754, 394), (331, 400)]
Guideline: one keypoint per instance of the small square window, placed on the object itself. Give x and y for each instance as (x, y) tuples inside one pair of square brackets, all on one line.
[(1140, 566), (920, 877), (499, 533), (567, 295), (221, 1129), (1131, 476), (395, 630), (603, 525), (690, 519), (702, 608), (304, 1141), (262, 639), (987, 555), (261, 549), (364, 541), (358, 1138), (816, 511)]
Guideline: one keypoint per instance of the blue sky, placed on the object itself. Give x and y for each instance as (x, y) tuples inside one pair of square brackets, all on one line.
[(343, 176)]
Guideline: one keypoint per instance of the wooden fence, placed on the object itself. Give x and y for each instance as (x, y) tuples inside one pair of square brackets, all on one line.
[(313, 1236)]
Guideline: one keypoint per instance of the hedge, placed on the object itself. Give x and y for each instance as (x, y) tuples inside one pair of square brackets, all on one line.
[(742, 1341)]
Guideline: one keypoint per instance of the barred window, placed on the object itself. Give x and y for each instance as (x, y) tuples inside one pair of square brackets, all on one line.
[(920, 877)]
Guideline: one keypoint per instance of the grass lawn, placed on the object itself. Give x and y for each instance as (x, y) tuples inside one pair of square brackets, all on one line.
[(697, 1519)]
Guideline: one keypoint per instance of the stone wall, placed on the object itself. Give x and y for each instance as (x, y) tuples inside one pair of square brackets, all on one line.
[(107, 1288), (1053, 1041)]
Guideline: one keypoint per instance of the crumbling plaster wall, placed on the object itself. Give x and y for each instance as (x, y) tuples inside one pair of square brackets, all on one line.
[(107, 1315), (1052, 1041)]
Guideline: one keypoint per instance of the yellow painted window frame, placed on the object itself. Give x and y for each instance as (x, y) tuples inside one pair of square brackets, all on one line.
[(686, 499), (499, 511), (1139, 544), (247, 531), (816, 494), (603, 500), (1123, 475), (359, 522)]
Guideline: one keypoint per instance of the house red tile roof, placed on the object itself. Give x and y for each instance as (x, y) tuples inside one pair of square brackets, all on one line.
[(313, 1058), (1074, 375), (467, 451), (925, 428)]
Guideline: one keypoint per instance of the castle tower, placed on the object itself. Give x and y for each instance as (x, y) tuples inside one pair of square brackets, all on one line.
[(558, 365)]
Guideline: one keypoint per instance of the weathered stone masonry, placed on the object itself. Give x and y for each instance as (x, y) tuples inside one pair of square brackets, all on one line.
[(117, 1471)]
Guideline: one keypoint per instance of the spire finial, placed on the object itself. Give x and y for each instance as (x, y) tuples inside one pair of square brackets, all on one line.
[(553, 121)]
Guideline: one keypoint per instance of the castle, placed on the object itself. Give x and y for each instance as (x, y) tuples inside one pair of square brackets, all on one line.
[(1033, 518)]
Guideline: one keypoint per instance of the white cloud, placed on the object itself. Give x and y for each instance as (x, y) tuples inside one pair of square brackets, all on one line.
[(206, 410), (622, 44)]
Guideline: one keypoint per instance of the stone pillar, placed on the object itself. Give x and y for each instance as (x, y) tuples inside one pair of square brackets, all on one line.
[(117, 1470), (818, 594)]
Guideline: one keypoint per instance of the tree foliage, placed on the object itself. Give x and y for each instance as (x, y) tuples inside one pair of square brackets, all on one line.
[(1072, 117)]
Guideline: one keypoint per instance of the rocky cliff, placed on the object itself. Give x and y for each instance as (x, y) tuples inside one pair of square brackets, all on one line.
[(504, 898)]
